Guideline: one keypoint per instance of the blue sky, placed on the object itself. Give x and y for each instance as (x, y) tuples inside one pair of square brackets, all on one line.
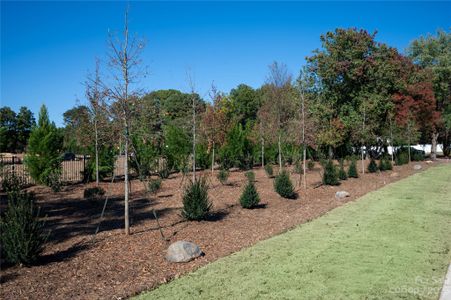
[(47, 48)]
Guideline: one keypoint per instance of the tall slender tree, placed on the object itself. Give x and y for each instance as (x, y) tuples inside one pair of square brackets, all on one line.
[(125, 61), (279, 85)]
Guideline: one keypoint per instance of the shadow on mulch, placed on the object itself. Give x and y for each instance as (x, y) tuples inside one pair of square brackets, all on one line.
[(217, 216), (75, 217), (8, 277), (260, 206), (63, 255)]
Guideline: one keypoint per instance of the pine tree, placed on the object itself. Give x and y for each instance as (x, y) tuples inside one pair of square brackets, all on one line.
[(341, 172), (22, 230), (43, 158), (196, 204), (249, 198), (372, 167), (283, 185), (330, 176)]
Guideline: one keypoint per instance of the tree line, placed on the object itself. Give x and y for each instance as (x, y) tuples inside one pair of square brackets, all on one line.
[(354, 93)]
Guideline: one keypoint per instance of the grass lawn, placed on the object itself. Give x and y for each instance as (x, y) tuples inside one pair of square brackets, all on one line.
[(393, 243)]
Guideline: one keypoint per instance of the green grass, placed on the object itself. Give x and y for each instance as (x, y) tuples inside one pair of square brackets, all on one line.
[(393, 243)]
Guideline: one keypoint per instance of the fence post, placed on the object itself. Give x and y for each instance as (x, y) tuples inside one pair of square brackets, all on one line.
[(84, 166), (14, 167)]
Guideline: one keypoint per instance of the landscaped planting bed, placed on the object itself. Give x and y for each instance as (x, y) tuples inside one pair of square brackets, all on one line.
[(115, 265)]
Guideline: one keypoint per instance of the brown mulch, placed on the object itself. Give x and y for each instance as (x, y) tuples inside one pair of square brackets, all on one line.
[(74, 266)]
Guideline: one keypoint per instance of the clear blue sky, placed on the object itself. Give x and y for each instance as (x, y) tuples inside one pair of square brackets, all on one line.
[(47, 48)]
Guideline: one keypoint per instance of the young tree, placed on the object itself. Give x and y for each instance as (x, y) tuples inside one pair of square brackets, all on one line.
[(95, 96), (214, 124), (304, 82), (279, 100), (125, 62), (43, 157), (194, 120)]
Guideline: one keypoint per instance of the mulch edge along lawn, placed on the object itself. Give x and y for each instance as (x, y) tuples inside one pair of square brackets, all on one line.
[(392, 243)]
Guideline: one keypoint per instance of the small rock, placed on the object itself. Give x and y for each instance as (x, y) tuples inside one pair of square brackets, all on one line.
[(394, 174), (182, 251), (417, 167), (341, 194), (429, 162)]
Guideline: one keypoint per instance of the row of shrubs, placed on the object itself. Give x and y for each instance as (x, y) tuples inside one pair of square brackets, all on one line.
[(23, 233), (196, 205), (333, 174)]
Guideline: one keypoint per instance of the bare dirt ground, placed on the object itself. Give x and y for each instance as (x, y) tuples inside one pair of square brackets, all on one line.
[(74, 266)]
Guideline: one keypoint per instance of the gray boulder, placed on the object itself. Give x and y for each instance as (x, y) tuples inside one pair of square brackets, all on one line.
[(417, 167), (182, 251), (341, 194)]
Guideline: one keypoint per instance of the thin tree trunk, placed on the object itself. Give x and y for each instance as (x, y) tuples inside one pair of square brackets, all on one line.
[(363, 132), (125, 69), (213, 159), (97, 151), (434, 146), (408, 132), (194, 140), (262, 140), (304, 158), (363, 161), (126, 216), (391, 142), (280, 154), (304, 150)]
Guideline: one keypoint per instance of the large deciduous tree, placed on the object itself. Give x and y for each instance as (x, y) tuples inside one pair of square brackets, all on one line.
[(434, 52)]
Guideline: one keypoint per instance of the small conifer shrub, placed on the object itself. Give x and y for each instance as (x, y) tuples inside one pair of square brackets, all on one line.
[(402, 158), (298, 167), (372, 167), (250, 175), (385, 164), (93, 193), (341, 172), (330, 174), (154, 185), (310, 165), (196, 205), (249, 198), (223, 176), (283, 185), (23, 236), (269, 170), (352, 171)]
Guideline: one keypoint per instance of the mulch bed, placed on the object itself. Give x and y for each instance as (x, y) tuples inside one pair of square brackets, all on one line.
[(111, 265)]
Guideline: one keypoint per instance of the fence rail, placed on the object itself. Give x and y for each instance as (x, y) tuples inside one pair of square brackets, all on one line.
[(71, 170)]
